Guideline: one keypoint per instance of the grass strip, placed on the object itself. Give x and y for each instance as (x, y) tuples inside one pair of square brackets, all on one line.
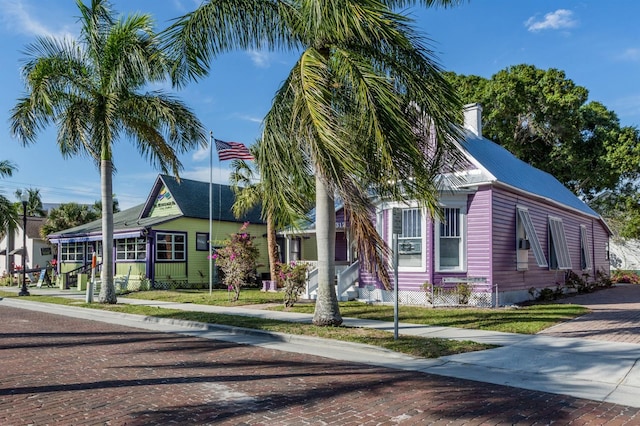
[(416, 346)]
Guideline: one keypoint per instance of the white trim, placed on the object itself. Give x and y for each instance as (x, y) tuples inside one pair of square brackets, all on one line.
[(452, 203), (423, 224)]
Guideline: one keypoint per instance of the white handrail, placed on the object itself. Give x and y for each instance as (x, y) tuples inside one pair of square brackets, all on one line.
[(347, 277)]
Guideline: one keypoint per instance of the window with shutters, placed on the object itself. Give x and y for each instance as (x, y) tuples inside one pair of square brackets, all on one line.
[(585, 249), (527, 241), (558, 249)]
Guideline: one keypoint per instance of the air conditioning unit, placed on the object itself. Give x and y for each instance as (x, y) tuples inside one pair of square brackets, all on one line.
[(524, 244)]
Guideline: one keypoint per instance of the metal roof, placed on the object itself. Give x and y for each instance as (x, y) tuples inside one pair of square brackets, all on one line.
[(505, 168)]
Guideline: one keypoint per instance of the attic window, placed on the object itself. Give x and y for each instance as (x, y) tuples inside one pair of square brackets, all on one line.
[(530, 234), (585, 249), (558, 249)]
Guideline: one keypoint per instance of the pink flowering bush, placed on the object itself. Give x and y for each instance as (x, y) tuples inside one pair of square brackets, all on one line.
[(293, 277), (237, 260), (628, 277)]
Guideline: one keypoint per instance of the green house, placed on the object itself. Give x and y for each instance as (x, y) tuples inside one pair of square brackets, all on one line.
[(165, 240)]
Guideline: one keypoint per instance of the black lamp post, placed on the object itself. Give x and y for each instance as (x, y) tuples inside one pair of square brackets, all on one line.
[(24, 197)]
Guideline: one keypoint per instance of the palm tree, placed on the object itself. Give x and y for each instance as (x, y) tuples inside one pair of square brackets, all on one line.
[(8, 214), (34, 202), (365, 110), (92, 90), (250, 193)]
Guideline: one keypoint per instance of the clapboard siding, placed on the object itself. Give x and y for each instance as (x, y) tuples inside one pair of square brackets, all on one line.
[(478, 234), (504, 253)]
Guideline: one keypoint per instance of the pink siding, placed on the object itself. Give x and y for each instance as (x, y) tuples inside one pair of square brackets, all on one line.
[(504, 252), (479, 229)]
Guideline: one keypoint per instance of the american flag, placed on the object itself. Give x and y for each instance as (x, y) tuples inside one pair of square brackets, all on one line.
[(232, 151)]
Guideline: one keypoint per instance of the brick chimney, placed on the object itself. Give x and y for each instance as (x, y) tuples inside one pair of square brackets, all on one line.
[(473, 118)]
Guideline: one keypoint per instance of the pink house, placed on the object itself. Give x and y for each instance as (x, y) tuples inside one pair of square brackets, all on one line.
[(504, 222), (507, 229)]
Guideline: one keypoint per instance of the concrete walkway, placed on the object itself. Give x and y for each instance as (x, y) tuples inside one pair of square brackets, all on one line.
[(603, 367)]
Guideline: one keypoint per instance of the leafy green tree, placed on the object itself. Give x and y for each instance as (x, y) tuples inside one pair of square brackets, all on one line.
[(97, 205), (67, 215), (34, 202), (93, 90), (543, 118), (350, 115)]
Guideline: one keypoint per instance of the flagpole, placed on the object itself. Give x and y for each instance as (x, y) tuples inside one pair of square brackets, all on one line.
[(210, 211)]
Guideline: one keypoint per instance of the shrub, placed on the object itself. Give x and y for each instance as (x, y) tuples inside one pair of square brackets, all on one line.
[(237, 260), (293, 277), (626, 277)]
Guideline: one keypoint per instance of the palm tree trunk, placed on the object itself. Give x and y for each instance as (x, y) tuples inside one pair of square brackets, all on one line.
[(327, 311), (272, 248), (107, 289)]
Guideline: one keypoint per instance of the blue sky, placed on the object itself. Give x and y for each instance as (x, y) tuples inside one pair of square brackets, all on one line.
[(596, 43)]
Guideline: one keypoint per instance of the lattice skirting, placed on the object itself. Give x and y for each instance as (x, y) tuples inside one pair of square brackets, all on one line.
[(422, 298)]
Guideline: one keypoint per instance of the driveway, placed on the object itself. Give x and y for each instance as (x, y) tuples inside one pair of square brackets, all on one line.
[(615, 316)]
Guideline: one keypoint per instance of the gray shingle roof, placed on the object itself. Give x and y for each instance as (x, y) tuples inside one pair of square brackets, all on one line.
[(192, 196)]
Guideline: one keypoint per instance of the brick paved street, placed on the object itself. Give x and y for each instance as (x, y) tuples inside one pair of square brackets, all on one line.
[(60, 370)]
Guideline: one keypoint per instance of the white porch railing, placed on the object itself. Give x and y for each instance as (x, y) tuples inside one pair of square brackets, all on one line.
[(346, 276)]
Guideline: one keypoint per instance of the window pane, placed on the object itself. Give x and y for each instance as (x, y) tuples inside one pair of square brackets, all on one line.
[(449, 252), (410, 240)]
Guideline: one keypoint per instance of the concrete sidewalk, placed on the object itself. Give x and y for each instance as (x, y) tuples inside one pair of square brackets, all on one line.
[(584, 368)]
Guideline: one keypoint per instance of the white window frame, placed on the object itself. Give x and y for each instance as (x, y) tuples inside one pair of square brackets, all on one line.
[(558, 248), (125, 253), (462, 231), (524, 224), (173, 244), (72, 256), (90, 246), (423, 227), (410, 234), (585, 249)]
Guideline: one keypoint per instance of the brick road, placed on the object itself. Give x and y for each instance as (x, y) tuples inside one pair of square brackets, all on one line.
[(60, 370)]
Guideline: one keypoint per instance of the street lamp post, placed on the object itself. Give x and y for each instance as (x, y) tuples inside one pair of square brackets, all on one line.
[(24, 197)]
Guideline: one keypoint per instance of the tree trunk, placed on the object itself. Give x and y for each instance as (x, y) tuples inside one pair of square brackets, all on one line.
[(272, 248), (107, 289), (327, 312)]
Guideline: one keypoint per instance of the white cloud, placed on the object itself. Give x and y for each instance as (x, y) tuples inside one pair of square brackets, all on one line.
[(18, 16), (250, 118), (260, 59), (220, 174), (631, 54), (558, 20)]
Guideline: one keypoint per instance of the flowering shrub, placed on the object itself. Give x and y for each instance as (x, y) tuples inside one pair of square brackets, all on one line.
[(293, 277), (237, 260), (628, 277)]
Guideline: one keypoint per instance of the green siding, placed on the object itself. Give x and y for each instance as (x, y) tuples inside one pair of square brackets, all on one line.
[(164, 204), (196, 268), (309, 248)]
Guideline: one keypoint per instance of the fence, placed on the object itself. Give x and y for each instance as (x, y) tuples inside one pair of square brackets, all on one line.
[(467, 291)]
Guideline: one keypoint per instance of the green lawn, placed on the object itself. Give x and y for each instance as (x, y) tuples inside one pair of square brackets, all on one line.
[(524, 320), (527, 320)]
